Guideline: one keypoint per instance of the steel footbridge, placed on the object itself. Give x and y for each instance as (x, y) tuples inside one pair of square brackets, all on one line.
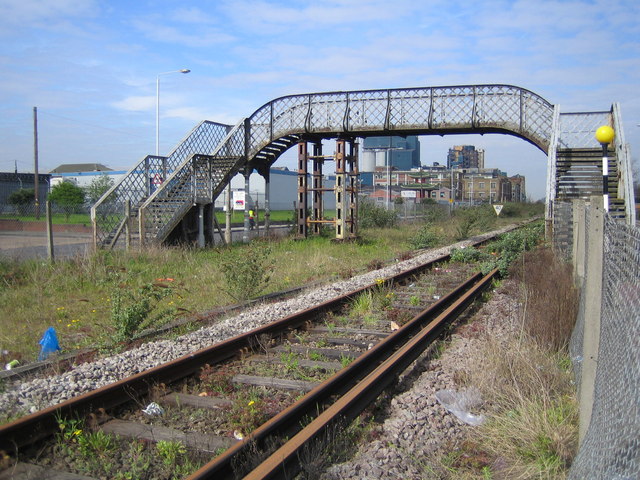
[(157, 194)]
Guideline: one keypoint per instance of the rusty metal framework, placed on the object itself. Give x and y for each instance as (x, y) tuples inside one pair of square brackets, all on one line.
[(345, 190), (205, 161)]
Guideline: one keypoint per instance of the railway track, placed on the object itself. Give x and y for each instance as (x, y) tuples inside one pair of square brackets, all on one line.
[(304, 371), (368, 350)]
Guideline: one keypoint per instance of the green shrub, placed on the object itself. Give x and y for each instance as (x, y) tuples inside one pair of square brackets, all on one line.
[(511, 245), (426, 237), (130, 310), (371, 215), (22, 199), (246, 270), (467, 255)]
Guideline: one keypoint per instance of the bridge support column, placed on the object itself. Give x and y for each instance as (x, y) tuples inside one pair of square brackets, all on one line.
[(227, 231), (267, 195), (247, 207), (341, 178), (352, 188), (593, 304), (201, 241), (301, 207), (318, 206), (265, 172)]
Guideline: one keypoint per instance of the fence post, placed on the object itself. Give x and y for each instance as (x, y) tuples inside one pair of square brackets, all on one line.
[(579, 232), (127, 225), (49, 232), (593, 307)]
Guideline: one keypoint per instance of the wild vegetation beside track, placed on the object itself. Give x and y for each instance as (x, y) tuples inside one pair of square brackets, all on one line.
[(525, 379), (106, 298)]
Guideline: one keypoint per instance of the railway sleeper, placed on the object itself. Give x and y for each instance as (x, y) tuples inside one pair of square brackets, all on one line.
[(276, 383), (155, 433), (304, 363), (325, 352), (348, 331)]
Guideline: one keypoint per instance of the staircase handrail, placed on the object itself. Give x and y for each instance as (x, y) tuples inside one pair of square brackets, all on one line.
[(131, 187), (224, 147), (625, 170)]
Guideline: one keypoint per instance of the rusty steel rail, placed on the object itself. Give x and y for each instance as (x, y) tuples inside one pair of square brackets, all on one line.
[(282, 464), (286, 424), (36, 426)]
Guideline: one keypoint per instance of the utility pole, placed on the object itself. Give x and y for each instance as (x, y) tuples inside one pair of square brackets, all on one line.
[(35, 162)]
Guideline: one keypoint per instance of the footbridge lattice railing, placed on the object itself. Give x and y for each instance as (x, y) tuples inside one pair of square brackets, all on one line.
[(108, 214), (435, 110), (198, 179)]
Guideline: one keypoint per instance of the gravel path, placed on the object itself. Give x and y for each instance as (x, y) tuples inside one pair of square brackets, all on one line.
[(39, 393)]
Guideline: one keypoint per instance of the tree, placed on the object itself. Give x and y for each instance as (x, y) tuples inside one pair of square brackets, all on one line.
[(68, 196), (98, 186), (22, 199)]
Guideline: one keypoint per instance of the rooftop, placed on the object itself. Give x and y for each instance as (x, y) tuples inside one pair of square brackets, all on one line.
[(80, 167)]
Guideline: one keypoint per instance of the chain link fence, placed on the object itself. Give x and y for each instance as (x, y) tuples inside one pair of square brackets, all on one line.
[(610, 446), (30, 212)]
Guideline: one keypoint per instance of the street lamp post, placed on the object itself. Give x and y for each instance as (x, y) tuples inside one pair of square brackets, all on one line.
[(184, 70), (605, 135)]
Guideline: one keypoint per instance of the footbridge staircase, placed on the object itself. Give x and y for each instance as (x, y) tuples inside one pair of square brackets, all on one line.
[(160, 193)]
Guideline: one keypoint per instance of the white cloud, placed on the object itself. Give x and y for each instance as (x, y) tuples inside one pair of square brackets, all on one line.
[(186, 36), (264, 17), (136, 104), (193, 15), (26, 13)]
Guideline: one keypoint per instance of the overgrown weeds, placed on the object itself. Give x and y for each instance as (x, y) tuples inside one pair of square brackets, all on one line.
[(550, 296), (89, 452), (371, 215), (246, 270), (525, 378), (334, 445), (130, 312), (426, 237), (531, 431)]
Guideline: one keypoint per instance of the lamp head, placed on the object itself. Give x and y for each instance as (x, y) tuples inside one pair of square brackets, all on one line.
[(185, 70), (605, 134)]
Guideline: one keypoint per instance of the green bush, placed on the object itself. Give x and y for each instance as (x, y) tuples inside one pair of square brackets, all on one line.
[(433, 214), (468, 255), (247, 270), (511, 245), (22, 199), (130, 311), (425, 238), (371, 215)]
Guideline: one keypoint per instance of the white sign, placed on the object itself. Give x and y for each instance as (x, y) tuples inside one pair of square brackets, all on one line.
[(498, 209), (408, 194), (238, 200)]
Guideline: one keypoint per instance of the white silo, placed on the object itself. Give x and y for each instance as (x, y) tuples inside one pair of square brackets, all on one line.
[(368, 161)]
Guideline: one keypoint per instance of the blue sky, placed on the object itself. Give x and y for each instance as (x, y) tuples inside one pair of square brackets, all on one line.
[(90, 67)]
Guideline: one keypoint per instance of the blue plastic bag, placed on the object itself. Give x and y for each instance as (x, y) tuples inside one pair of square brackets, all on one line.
[(49, 342)]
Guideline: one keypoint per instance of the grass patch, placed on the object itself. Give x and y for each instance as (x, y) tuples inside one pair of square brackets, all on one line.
[(76, 295)]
